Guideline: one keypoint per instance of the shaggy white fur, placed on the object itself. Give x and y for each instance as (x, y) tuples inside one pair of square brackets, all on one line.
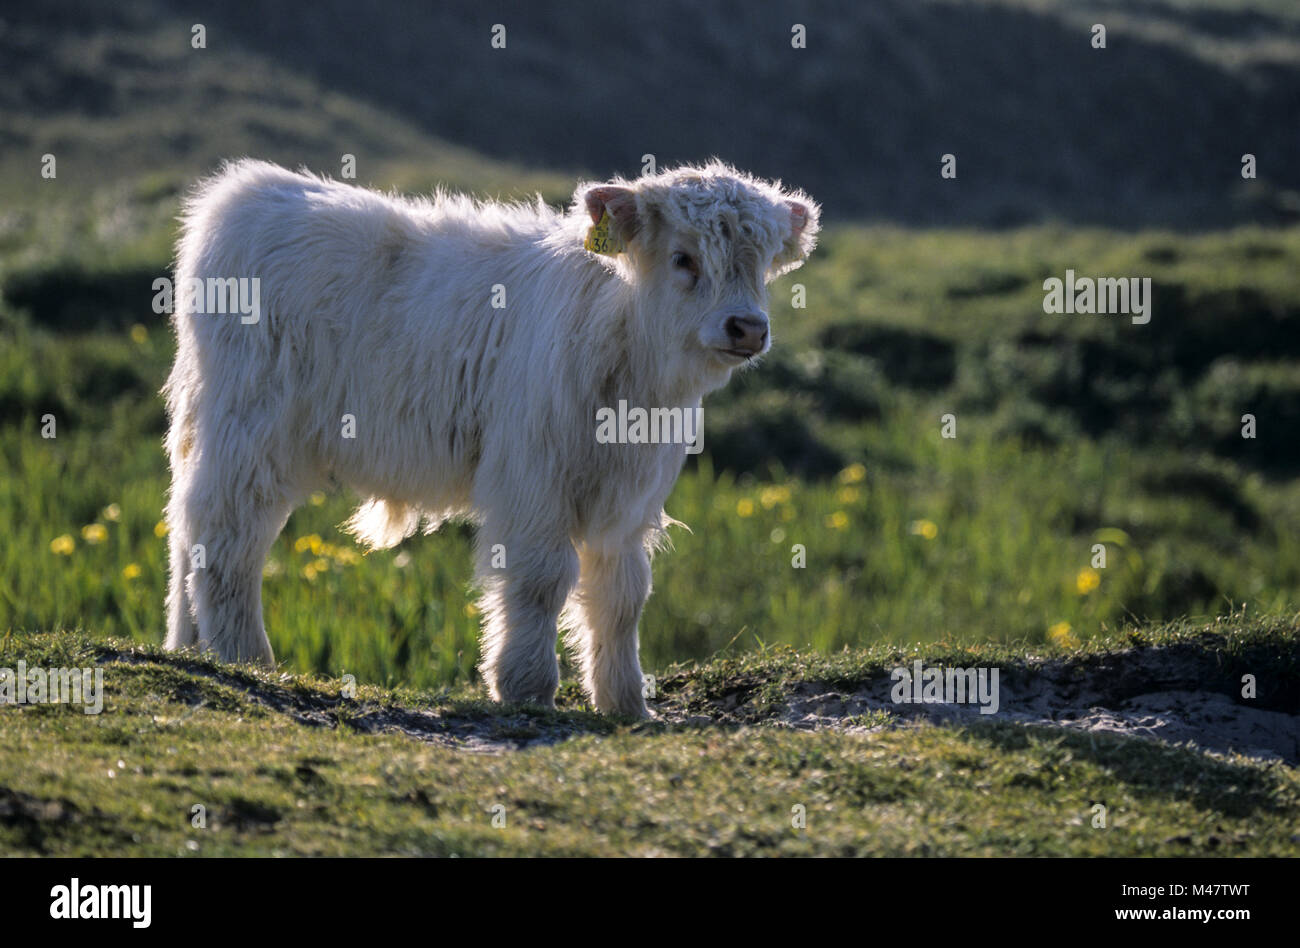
[(447, 357)]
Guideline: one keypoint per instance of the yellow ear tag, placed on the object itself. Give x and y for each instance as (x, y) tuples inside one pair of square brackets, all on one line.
[(602, 239)]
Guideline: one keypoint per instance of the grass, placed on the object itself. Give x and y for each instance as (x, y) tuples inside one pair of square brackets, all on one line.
[(1227, 648), (834, 533), (830, 455), (302, 773)]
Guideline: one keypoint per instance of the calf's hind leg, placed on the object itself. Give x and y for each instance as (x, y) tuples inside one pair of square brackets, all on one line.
[(231, 529), (182, 631)]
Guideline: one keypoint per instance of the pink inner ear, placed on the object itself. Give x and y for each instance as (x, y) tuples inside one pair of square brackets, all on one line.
[(620, 202), (798, 217)]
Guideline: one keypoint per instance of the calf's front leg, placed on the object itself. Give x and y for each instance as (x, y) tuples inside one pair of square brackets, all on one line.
[(521, 603), (612, 589)]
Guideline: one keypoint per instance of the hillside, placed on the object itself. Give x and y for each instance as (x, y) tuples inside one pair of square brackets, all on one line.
[(732, 765), (1149, 131)]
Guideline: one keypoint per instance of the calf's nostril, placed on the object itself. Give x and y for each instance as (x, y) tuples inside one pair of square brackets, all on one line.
[(746, 332)]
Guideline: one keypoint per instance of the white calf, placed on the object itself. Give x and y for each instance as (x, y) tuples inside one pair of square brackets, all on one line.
[(448, 357)]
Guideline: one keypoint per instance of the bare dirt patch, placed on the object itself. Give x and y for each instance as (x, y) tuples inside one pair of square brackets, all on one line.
[(1171, 694)]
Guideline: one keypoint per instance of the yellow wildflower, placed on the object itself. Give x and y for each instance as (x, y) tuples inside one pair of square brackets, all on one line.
[(745, 507), (131, 571), (924, 528), (94, 533), (1062, 635), (64, 545), (853, 474), (838, 520), (1087, 580)]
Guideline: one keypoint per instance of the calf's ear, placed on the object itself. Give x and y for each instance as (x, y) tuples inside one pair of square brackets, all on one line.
[(798, 216), (805, 222), (621, 204)]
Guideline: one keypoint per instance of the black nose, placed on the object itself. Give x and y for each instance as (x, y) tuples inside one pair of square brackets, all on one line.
[(747, 333)]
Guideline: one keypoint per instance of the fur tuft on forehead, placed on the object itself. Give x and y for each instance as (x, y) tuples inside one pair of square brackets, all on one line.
[(733, 216)]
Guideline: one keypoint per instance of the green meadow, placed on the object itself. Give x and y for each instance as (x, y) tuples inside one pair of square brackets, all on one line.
[(927, 464), (828, 508)]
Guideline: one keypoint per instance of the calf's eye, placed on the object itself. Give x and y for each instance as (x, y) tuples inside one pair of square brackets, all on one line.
[(683, 261)]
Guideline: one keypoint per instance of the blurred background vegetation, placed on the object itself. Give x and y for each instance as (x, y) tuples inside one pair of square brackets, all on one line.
[(925, 298)]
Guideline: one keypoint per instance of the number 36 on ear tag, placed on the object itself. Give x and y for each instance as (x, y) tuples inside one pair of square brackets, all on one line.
[(601, 238)]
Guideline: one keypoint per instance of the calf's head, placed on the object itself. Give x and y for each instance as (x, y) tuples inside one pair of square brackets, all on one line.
[(700, 245)]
